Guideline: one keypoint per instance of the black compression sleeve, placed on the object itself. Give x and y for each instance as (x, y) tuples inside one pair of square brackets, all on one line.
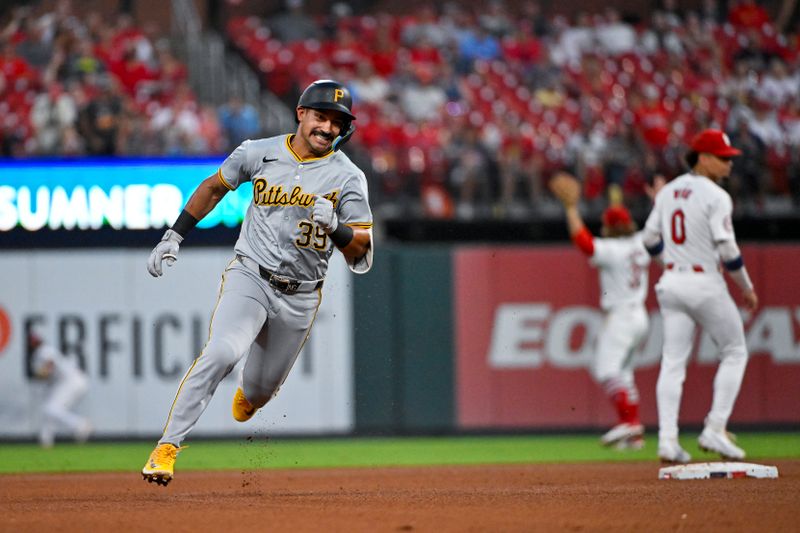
[(342, 236), (184, 224)]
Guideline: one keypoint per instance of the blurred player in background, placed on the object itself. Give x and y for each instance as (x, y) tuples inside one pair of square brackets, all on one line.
[(690, 231), (308, 199), (67, 384), (623, 264)]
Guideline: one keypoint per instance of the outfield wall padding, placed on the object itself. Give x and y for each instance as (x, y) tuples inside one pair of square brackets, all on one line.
[(404, 342)]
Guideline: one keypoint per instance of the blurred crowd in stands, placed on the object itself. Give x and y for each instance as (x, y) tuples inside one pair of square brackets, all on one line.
[(471, 109), (85, 86), (462, 111)]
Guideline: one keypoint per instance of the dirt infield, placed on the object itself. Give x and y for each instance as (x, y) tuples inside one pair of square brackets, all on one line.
[(592, 497)]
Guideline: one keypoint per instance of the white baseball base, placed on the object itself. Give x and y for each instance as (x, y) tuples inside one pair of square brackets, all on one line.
[(717, 470)]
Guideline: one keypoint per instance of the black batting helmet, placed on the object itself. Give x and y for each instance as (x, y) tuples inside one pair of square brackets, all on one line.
[(327, 94)]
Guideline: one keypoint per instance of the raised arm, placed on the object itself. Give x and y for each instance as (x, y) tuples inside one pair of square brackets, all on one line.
[(568, 190), (575, 223)]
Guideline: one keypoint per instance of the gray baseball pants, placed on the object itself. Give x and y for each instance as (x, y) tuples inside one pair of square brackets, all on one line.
[(251, 319)]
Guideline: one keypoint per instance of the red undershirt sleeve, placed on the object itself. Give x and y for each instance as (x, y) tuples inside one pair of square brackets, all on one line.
[(585, 241)]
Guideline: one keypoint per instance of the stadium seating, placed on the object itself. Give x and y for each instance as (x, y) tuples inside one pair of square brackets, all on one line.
[(534, 96)]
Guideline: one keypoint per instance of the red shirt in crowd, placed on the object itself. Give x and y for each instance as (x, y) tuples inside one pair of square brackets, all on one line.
[(748, 14), (653, 122)]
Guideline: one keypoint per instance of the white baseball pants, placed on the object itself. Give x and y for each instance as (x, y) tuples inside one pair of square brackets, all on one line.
[(687, 299), (623, 329)]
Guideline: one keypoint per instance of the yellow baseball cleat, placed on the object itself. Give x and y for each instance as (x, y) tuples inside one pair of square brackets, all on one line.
[(159, 468), (242, 409)]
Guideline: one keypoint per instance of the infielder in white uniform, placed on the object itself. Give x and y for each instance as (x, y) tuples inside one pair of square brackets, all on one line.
[(690, 231), (67, 384), (623, 263), (308, 198)]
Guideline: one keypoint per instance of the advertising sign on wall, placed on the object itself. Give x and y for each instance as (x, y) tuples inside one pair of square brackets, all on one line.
[(136, 336), (526, 325), (124, 194)]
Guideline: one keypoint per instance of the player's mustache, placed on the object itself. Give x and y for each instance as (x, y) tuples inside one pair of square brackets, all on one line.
[(328, 136)]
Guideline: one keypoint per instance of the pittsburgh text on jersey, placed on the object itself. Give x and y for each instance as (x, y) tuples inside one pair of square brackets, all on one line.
[(265, 195)]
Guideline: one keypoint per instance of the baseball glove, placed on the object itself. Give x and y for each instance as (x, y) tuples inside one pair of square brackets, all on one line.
[(566, 188)]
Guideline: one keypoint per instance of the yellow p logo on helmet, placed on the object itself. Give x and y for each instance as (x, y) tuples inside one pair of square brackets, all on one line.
[(338, 94)]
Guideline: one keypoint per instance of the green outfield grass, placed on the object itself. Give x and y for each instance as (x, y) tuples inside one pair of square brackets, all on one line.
[(260, 453)]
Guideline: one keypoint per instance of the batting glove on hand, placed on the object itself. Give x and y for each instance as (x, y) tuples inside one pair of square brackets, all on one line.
[(323, 214), (165, 250)]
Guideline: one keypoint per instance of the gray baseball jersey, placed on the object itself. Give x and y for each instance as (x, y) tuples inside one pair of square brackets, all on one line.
[(253, 319), (277, 231)]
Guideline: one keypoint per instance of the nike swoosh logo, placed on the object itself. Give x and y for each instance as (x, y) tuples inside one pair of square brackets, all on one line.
[(265, 160)]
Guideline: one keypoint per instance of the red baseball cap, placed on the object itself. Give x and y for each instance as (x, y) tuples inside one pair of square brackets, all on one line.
[(713, 142), (616, 215)]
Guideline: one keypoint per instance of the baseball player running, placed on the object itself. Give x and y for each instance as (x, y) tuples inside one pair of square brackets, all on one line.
[(623, 264), (67, 384), (308, 198), (690, 230)]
